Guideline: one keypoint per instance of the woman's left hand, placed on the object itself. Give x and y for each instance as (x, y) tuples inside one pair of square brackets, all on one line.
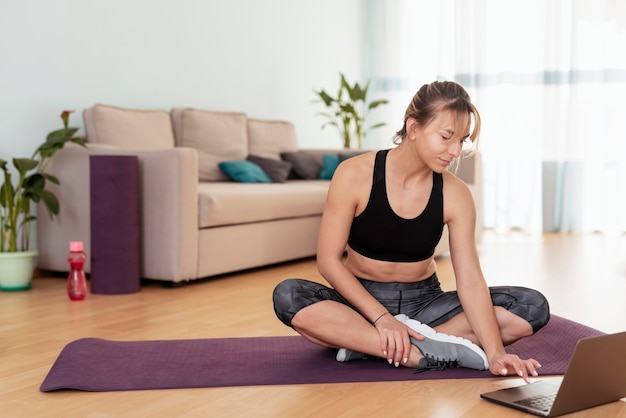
[(507, 364)]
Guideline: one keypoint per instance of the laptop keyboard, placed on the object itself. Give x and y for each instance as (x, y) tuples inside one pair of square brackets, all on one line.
[(540, 402)]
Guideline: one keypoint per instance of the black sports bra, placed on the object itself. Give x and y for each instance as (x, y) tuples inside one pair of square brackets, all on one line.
[(379, 233)]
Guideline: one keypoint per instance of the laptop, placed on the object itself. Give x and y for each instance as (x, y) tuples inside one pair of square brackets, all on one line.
[(595, 375)]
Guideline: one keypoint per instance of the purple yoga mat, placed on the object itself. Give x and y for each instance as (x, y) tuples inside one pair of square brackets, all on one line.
[(115, 224), (93, 364)]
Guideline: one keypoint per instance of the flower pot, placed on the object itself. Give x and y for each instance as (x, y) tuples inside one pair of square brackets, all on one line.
[(16, 270)]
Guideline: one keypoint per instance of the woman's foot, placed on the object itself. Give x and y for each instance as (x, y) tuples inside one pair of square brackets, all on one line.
[(443, 351), (439, 351)]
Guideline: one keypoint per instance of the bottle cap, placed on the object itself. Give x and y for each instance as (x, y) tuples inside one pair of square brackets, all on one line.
[(76, 246)]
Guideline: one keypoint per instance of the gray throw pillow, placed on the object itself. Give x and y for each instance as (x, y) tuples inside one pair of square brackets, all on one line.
[(349, 154), (276, 170), (303, 165)]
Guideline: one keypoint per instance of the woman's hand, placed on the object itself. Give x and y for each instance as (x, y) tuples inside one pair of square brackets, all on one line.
[(506, 364), (395, 343)]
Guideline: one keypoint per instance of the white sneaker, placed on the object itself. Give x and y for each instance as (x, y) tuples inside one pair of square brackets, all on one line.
[(442, 351)]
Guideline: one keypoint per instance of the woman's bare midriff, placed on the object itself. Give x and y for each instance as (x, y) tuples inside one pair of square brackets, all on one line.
[(388, 271)]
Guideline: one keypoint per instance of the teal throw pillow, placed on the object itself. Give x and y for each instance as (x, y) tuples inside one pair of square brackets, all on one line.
[(244, 171), (330, 162)]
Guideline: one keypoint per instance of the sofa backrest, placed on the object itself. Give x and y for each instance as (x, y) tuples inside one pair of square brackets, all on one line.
[(128, 128), (216, 136), (229, 136), (268, 138)]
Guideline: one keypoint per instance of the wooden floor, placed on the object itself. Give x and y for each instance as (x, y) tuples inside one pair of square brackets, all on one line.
[(584, 277)]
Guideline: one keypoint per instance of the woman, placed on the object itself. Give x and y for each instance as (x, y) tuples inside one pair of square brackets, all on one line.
[(387, 210)]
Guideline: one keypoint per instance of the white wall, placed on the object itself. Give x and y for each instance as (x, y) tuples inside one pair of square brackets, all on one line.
[(263, 58)]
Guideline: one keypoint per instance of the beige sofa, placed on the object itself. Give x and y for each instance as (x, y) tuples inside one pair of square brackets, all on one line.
[(195, 221)]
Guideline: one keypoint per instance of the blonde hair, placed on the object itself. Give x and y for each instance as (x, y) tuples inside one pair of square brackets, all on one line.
[(432, 98)]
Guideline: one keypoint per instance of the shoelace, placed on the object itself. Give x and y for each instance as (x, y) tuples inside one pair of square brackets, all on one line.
[(438, 364)]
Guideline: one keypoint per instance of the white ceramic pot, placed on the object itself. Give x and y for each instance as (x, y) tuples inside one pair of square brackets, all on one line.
[(16, 270)]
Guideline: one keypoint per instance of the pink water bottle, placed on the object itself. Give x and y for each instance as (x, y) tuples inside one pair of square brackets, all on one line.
[(76, 282)]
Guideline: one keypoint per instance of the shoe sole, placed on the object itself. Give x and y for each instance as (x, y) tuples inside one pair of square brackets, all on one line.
[(343, 355)]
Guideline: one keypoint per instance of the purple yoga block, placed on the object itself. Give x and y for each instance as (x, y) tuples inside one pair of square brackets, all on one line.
[(115, 226)]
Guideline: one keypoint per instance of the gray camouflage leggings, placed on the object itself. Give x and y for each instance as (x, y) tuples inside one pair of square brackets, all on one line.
[(423, 301)]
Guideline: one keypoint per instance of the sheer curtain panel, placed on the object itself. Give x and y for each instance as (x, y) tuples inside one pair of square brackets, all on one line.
[(549, 78)]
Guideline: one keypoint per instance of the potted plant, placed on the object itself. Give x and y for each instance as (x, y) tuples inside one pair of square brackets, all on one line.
[(16, 257), (348, 111)]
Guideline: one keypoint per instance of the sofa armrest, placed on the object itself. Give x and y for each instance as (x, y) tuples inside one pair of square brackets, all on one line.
[(470, 171), (169, 210)]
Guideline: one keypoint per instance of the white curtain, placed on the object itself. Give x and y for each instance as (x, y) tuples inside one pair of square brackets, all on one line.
[(549, 78)]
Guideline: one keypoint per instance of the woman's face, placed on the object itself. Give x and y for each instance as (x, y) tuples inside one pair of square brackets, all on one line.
[(441, 140)]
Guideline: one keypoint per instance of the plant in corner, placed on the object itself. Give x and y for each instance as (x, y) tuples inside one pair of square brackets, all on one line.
[(15, 204), (348, 111)]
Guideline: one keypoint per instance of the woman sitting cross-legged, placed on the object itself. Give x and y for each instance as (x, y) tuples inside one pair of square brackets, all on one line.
[(388, 209)]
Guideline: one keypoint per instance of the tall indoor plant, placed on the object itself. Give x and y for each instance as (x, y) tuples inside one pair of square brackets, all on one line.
[(15, 204), (348, 111)]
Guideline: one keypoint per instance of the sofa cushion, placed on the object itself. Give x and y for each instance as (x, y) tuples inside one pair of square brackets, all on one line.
[(277, 170), (244, 171), (268, 138), (129, 128), (227, 203), (303, 164), (216, 136)]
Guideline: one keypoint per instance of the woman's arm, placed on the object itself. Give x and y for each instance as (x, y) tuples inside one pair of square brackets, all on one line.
[(348, 188), (348, 193), (460, 215)]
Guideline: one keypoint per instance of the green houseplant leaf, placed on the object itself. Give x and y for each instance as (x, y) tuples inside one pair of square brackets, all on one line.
[(30, 187), (348, 111)]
